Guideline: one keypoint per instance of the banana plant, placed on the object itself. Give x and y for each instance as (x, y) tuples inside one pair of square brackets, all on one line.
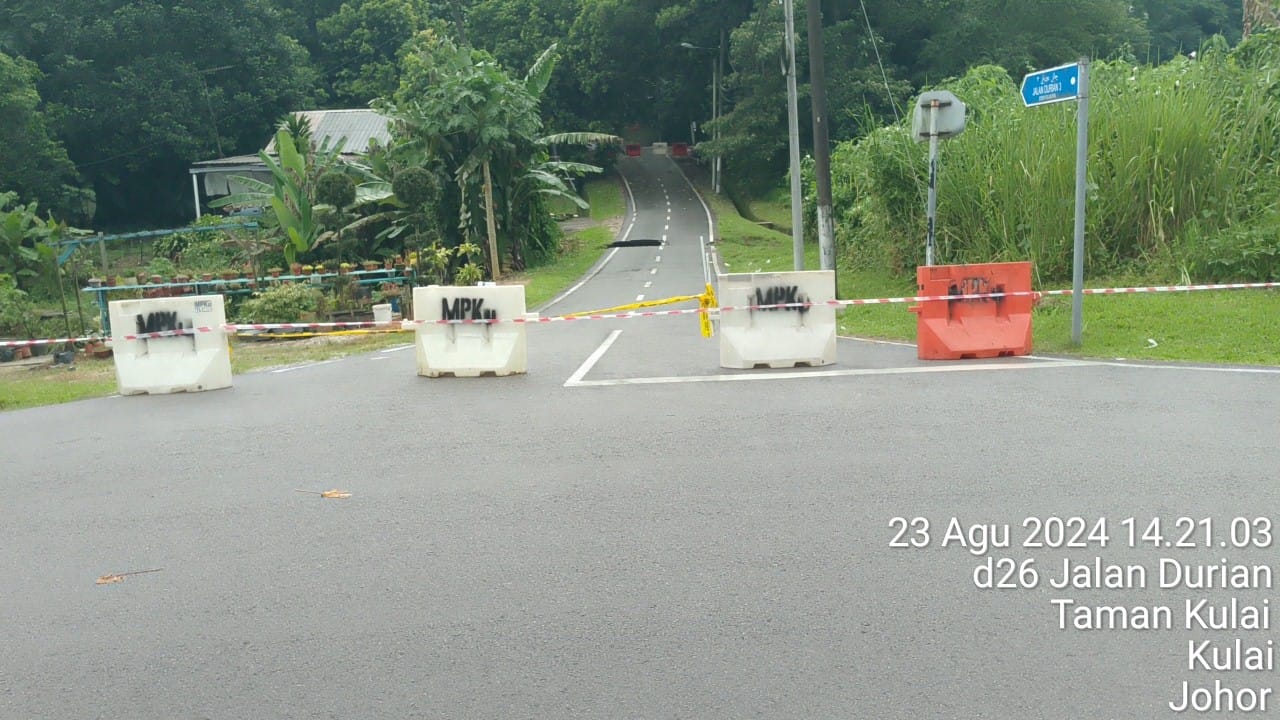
[(25, 238), (291, 192)]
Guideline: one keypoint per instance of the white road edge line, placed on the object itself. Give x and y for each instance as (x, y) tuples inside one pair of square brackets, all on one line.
[(711, 225), (743, 377), (576, 378), (626, 234), (397, 348)]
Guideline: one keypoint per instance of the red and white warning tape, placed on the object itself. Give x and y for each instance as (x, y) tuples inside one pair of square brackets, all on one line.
[(50, 341), (166, 333), (230, 327)]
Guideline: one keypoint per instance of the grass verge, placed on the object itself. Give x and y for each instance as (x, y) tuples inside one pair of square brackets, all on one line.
[(96, 378), (581, 246), (1236, 327)]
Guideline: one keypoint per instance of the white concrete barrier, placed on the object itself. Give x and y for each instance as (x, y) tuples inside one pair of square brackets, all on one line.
[(182, 363), (470, 350), (780, 337), (659, 148)]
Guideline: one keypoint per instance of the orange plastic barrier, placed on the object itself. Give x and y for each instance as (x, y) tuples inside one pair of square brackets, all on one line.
[(679, 149), (981, 328), (633, 150)]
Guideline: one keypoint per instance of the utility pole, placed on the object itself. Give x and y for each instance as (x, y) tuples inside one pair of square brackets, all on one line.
[(715, 115), (719, 107), (821, 142), (793, 129)]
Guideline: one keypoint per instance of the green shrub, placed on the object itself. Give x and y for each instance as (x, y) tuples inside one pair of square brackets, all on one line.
[(17, 316), (281, 304), (161, 266), (336, 189)]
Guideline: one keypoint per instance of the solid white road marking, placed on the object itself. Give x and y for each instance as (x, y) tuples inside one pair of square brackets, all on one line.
[(653, 271), (291, 368), (1192, 368), (640, 298), (658, 259), (649, 284), (397, 348), (590, 362), (784, 375)]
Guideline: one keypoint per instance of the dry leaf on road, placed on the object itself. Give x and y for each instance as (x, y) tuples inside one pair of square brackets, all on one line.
[(110, 578), (330, 494)]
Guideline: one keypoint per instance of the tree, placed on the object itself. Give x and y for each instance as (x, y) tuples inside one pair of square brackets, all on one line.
[(753, 133), (362, 40), (965, 33), (35, 166), (138, 90), (459, 111), (1181, 26)]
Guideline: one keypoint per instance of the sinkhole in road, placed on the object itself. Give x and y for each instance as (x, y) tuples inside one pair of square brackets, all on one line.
[(636, 243)]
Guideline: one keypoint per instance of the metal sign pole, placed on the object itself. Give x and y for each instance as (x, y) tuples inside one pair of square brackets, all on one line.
[(933, 183), (1082, 159)]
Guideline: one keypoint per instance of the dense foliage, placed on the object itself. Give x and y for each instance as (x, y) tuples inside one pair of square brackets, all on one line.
[(108, 102), (1183, 171)]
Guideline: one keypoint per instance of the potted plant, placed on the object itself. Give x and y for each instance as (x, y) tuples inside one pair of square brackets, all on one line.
[(206, 277), (388, 263), (141, 277), (344, 268), (228, 274), (297, 268), (370, 265), (95, 282), (111, 281), (275, 271)]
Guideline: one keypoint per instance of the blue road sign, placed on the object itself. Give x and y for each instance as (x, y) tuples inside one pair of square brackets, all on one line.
[(1050, 86)]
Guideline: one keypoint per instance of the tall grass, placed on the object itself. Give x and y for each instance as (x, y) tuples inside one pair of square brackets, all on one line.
[(1183, 175)]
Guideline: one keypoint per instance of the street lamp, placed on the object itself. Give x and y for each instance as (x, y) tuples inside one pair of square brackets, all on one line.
[(715, 107)]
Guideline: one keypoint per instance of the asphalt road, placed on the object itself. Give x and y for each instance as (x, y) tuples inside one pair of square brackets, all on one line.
[(642, 537)]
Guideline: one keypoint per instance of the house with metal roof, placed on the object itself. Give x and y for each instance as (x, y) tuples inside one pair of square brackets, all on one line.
[(355, 129)]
